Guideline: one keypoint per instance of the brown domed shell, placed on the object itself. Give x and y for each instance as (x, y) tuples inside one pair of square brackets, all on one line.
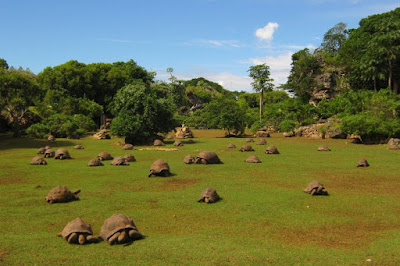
[(79, 147), (261, 142), (78, 225), (62, 154), (41, 150), (189, 159), (362, 163), (249, 140), (118, 223), (315, 188), (246, 147), (207, 157), (158, 142), (231, 146), (49, 153), (103, 156), (51, 138), (95, 162), (38, 161), (61, 194), (272, 150), (118, 160), (130, 158), (128, 147), (253, 159), (159, 168), (178, 143), (190, 141), (323, 148), (209, 195)]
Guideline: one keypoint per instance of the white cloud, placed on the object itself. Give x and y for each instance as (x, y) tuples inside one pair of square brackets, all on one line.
[(216, 43), (267, 32)]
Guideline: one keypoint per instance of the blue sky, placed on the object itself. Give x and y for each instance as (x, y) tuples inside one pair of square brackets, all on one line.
[(215, 39)]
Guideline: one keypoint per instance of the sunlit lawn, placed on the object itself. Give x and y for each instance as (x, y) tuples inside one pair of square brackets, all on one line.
[(263, 217)]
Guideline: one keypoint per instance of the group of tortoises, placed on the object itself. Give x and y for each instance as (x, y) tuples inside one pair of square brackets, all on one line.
[(61, 154)]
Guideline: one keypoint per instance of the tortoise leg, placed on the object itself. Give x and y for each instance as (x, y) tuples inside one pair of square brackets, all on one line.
[(151, 173), (113, 239), (122, 238), (134, 235), (92, 239), (313, 192), (72, 239), (82, 239), (206, 200)]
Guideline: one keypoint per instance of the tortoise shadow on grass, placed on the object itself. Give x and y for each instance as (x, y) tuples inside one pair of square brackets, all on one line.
[(161, 176), (131, 242)]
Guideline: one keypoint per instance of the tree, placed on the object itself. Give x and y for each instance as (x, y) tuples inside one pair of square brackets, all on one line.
[(3, 64), (334, 38), (18, 90), (262, 82), (140, 114)]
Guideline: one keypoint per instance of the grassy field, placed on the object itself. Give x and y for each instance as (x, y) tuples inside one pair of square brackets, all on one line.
[(263, 218)]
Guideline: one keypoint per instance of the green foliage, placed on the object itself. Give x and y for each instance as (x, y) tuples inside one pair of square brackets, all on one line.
[(287, 125), (140, 114), (3, 64), (205, 84), (334, 38)]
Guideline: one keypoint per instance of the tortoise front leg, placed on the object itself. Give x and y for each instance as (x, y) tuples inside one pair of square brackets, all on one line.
[(134, 235), (114, 238), (72, 239), (82, 239)]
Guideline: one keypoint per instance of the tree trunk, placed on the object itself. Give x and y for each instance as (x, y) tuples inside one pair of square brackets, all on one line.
[(396, 86), (261, 103), (375, 89), (390, 75), (16, 129)]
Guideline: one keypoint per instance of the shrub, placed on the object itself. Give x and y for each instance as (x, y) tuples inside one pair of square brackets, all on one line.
[(287, 125)]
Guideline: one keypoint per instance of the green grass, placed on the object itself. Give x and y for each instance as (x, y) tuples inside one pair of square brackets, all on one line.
[(264, 217)]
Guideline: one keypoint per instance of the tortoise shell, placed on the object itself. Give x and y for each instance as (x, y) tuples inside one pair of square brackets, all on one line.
[(178, 143), (272, 150), (207, 157), (190, 141), (315, 188), (128, 147), (79, 147), (119, 161), (117, 223), (231, 146), (246, 147), (95, 162), (41, 150), (249, 140), (209, 195), (159, 168), (38, 161), (362, 163), (49, 153), (78, 225), (189, 159), (62, 154), (261, 142), (323, 148), (158, 142), (103, 156), (130, 158), (61, 194), (51, 138), (253, 159)]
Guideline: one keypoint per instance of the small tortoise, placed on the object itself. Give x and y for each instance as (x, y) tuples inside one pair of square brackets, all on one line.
[(119, 229), (38, 161), (261, 142), (41, 150), (362, 163), (209, 195), (159, 168), (61, 194), (47, 147), (207, 157), (189, 159), (79, 147), (158, 142), (128, 146), (253, 159), (316, 188), (119, 161), (49, 153), (323, 148), (271, 150), (178, 143), (78, 232), (231, 146), (249, 140), (62, 154), (103, 156), (51, 139), (95, 162), (129, 158), (190, 141), (246, 147)]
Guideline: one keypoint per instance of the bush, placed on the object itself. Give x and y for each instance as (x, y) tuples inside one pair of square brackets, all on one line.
[(287, 125), (38, 131)]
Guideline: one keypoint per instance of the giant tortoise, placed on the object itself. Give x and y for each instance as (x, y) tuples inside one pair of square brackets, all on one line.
[(158, 142), (207, 157), (362, 163), (128, 146), (178, 143), (61, 194), (129, 158), (246, 147), (118, 160), (271, 150), (95, 162), (323, 148), (261, 142), (159, 168), (231, 146), (249, 140), (209, 195), (315, 188), (41, 150), (38, 161), (62, 154), (119, 229), (49, 153), (103, 156), (78, 232), (189, 159), (253, 159), (79, 147)]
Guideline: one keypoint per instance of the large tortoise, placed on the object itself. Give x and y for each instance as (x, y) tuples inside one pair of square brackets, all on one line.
[(246, 147), (231, 146), (323, 148), (207, 157), (189, 159), (315, 188), (103, 156), (271, 150), (158, 142), (249, 140), (61, 194), (362, 163), (261, 142), (190, 141), (209, 195), (38, 161), (393, 146), (49, 153), (79, 147), (95, 162), (128, 146), (159, 168), (178, 143), (119, 161), (119, 229), (253, 159), (129, 158), (78, 232), (62, 154), (41, 150)]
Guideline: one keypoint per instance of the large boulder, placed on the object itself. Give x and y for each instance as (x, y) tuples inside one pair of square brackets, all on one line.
[(102, 134), (184, 133)]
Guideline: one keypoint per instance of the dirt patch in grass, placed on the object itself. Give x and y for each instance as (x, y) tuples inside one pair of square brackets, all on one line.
[(12, 180), (2, 253), (345, 236), (177, 184)]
